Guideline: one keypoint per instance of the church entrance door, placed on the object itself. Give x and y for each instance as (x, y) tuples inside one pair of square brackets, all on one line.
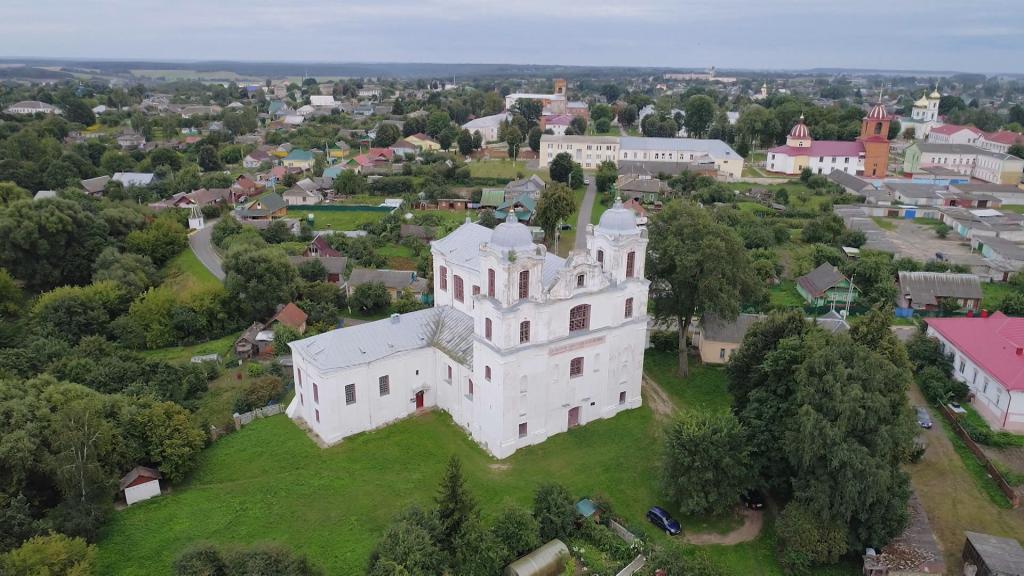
[(574, 417), (419, 400)]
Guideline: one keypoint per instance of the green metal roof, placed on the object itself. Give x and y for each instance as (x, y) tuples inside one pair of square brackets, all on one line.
[(299, 154), (492, 197)]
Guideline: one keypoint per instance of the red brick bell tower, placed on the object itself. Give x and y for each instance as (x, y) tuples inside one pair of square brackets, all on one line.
[(874, 135)]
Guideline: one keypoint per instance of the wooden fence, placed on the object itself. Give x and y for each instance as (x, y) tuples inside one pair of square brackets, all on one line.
[(996, 475)]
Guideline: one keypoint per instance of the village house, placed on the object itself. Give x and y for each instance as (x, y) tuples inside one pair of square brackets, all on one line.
[(396, 281), (520, 345), (267, 207), (289, 315), (95, 186), (256, 158), (254, 342), (826, 286), (130, 179), (334, 266), (298, 158), (32, 107), (717, 340), (926, 291), (297, 196), (487, 126), (988, 356)]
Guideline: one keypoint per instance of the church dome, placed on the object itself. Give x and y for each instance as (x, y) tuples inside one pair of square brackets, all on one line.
[(935, 94), (800, 130), (878, 112), (512, 234), (618, 220), (923, 102)]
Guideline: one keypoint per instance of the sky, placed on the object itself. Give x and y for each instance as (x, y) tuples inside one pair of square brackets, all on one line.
[(963, 35)]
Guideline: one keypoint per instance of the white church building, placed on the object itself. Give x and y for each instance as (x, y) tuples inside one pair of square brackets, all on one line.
[(924, 115), (520, 345)]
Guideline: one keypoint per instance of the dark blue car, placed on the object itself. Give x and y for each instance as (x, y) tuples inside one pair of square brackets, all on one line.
[(660, 518)]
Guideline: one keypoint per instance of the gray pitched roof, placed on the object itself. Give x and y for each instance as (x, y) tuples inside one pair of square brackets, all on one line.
[(95, 185), (718, 330), (923, 288), (333, 264), (443, 327), (820, 279), (849, 181), (396, 279)]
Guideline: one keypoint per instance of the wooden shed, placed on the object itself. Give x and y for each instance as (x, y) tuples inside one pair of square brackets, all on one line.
[(993, 555)]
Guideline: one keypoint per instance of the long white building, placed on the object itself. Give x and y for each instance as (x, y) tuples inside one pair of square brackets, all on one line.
[(590, 151), (520, 344)]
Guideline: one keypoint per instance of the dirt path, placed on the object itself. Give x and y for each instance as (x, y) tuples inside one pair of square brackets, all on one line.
[(655, 397), (951, 498), (752, 521)]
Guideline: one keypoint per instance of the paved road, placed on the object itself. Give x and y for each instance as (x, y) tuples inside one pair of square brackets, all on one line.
[(586, 208), (202, 244)]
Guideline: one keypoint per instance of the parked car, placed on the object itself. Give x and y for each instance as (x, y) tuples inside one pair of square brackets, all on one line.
[(662, 519), (753, 499), (924, 420), (957, 408)]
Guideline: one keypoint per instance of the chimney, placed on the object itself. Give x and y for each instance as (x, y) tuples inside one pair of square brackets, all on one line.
[(395, 318)]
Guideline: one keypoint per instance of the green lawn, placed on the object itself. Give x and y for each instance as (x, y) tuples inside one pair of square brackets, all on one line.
[(504, 169), (324, 220), (399, 257), (704, 389), (185, 273), (884, 223), (218, 404), (784, 295), (220, 346)]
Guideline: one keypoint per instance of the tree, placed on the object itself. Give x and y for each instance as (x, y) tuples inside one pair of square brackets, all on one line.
[(387, 134), (168, 438), (554, 511), (561, 167), (312, 270), (627, 115), (75, 110), (533, 138), (277, 232), (1016, 150), (134, 272), (370, 297), (349, 183), (555, 205), (257, 281), (54, 554), (700, 268), (49, 243), (408, 548), (268, 559), (579, 124), (11, 193), (465, 142), (438, 122), (164, 239), (456, 507), (72, 312), (530, 109), (700, 113), (611, 92), (705, 465), (607, 174), (517, 531), (208, 159), (201, 559), (514, 139)]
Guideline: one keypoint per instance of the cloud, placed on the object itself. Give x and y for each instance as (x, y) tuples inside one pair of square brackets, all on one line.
[(770, 34)]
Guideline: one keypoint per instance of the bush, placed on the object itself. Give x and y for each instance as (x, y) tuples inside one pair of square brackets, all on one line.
[(555, 511), (259, 393), (938, 387), (255, 369), (665, 341), (805, 540), (53, 554), (370, 297)]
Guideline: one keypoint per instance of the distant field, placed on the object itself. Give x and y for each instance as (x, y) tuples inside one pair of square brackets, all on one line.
[(182, 74)]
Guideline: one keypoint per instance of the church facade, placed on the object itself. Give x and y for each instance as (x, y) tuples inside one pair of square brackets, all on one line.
[(520, 345), (867, 156), (924, 115)]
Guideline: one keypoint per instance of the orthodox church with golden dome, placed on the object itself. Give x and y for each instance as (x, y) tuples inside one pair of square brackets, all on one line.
[(924, 116)]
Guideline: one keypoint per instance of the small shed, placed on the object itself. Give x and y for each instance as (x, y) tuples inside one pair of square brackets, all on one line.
[(993, 555), (247, 346), (140, 484), (588, 509), (548, 560)]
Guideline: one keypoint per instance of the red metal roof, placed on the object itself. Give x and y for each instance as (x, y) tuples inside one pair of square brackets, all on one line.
[(991, 343), (822, 148), (950, 129), (1005, 137)]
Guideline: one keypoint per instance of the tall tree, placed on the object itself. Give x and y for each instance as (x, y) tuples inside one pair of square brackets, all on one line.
[(561, 167), (456, 508), (555, 205), (699, 267), (258, 280), (705, 465), (700, 113), (533, 137), (514, 140), (554, 511)]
